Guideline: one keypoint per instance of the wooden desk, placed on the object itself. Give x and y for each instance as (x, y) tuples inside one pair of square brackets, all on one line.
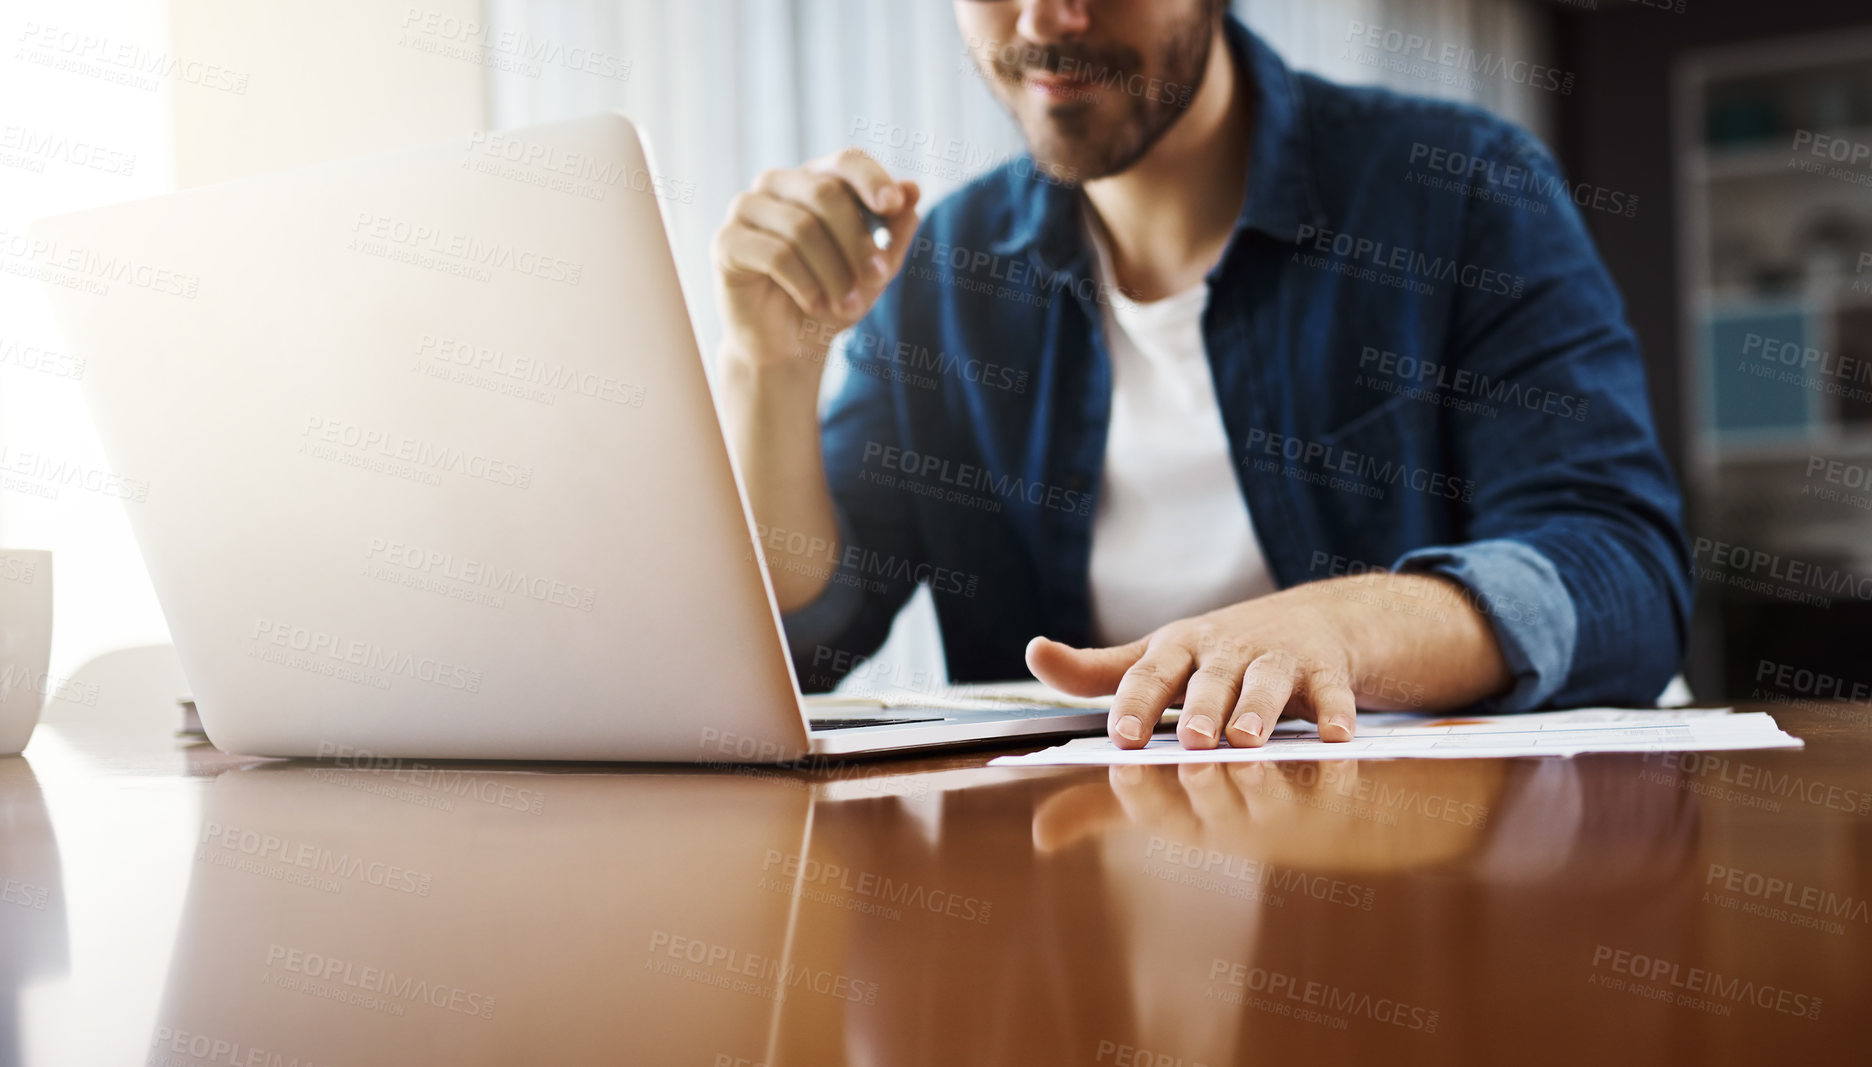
[(172, 905)]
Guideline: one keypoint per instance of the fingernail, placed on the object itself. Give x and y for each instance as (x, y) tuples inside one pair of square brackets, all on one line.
[(1335, 730), (890, 199), (879, 267), (1129, 773), (1131, 728), (1203, 726), (1249, 723)]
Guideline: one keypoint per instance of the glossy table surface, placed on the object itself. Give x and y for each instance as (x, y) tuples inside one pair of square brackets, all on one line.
[(165, 903)]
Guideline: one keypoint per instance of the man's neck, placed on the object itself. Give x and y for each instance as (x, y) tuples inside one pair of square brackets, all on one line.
[(1169, 215)]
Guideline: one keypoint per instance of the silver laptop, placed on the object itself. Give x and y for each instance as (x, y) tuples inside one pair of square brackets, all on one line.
[(422, 459)]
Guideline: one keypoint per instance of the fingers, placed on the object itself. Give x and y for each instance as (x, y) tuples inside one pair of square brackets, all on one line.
[(814, 211), (1074, 814), (903, 224), (1247, 779), (1148, 675), (757, 252), (1206, 704), (1212, 795), (775, 209), (862, 177), (843, 234), (1265, 689), (1341, 775), (1334, 707), (1146, 689), (1083, 672), (873, 184), (1151, 797)]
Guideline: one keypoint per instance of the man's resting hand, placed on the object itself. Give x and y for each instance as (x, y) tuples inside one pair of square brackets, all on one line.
[(1316, 651)]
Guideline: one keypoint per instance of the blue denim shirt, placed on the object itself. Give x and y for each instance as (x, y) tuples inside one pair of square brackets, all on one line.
[(1421, 363)]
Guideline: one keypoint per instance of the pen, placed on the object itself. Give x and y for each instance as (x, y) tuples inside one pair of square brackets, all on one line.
[(880, 229)]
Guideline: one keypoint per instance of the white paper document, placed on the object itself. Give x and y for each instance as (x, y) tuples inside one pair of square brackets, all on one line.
[(1396, 735), (985, 696)]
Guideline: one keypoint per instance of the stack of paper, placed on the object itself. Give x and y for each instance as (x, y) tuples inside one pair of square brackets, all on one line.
[(985, 696), (1392, 735)]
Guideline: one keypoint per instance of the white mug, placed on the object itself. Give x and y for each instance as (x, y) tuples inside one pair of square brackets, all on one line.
[(25, 643)]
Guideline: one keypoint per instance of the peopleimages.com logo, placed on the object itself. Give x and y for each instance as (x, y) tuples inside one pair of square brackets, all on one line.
[(1233, 875), (1479, 172), (1446, 381), (1697, 987), (170, 1044), (1782, 899), (30, 149), (736, 969), (219, 843), (1411, 265), (1259, 987), (421, 244), (119, 62), (401, 456), (364, 656), (88, 269), (354, 978), (1365, 471), (414, 562), (1457, 59), (41, 360), (972, 484), (808, 875)]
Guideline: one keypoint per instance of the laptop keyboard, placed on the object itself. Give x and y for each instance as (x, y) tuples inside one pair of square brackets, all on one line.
[(849, 724)]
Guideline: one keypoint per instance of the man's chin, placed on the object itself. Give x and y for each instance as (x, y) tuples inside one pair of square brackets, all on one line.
[(1078, 160), (1077, 144)]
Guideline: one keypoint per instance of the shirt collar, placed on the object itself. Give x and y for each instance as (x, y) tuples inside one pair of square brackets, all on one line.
[(1280, 194)]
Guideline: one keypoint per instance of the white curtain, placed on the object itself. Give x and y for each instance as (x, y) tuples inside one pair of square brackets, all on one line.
[(54, 119), (1318, 35), (726, 88)]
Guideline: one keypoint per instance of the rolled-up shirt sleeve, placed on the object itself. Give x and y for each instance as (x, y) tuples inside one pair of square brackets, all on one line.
[(1521, 594), (1575, 552)]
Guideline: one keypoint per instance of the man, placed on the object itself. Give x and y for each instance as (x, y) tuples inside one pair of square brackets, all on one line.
[(1227, 397)]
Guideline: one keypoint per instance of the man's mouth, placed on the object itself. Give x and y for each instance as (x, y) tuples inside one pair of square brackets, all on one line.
[(1058, 87)]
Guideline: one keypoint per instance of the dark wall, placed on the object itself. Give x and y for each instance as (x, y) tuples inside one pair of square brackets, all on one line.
[(1614, 130)]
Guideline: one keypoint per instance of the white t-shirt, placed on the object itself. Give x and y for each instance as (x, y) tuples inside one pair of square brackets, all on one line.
[(1171, 536)]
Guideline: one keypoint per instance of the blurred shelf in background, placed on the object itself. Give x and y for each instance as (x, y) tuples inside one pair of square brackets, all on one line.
[(1774, 225)]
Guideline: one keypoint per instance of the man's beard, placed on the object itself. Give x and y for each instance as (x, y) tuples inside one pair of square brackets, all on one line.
[(1076, 138)]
